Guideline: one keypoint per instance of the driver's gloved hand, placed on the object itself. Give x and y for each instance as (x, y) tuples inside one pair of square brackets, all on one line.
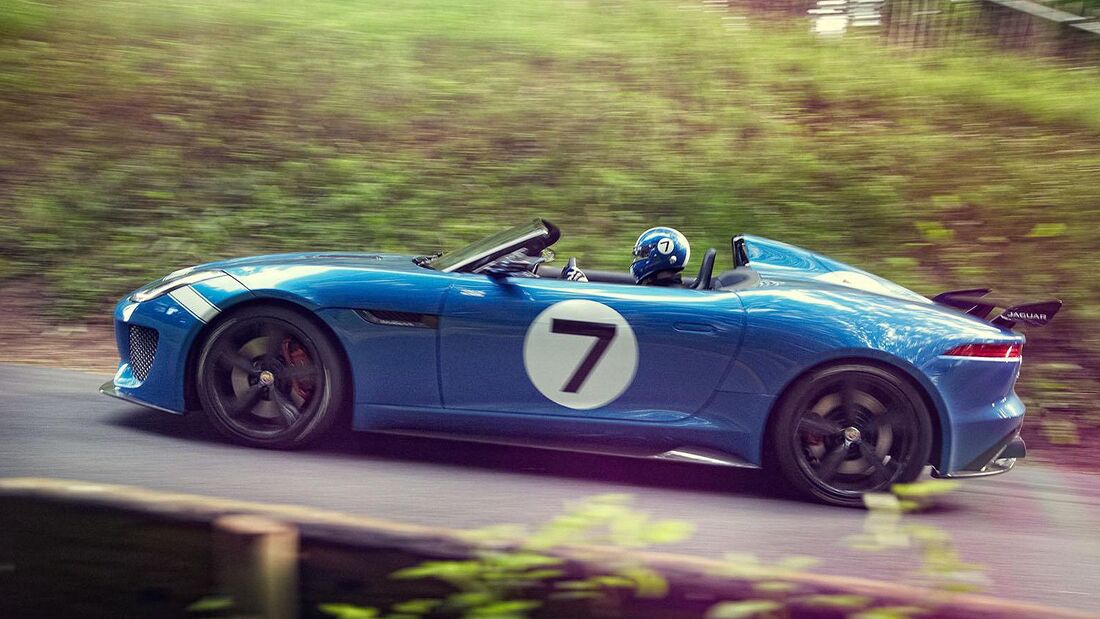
[(572, 273)]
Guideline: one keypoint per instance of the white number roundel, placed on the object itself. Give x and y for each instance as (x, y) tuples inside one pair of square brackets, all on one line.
[(580, 354), (665, 246)]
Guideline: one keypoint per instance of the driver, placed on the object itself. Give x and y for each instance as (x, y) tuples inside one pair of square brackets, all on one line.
[(659, 256)]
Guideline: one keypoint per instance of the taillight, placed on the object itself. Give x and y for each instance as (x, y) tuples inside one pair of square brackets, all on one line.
[(1005, 352)]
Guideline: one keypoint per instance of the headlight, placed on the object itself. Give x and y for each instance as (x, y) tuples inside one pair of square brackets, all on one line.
[(176, 279)]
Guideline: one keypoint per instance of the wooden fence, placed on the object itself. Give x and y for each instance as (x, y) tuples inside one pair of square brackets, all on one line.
[(76, 549), (1009, 24)]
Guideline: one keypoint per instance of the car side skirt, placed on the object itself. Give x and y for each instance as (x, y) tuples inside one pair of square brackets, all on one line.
[(690, 440)]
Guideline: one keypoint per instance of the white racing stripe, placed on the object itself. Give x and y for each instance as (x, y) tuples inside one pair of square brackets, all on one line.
[(195, 303)]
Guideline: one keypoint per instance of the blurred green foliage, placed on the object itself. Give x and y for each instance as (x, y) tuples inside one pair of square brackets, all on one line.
[(938, 566), (511, 563), (139, 137), (514, 569), (936, 563)]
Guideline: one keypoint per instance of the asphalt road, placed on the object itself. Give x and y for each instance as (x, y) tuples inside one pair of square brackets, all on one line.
[(1036, 530)]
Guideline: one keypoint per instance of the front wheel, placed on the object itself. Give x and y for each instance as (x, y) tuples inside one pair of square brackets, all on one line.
[(268, 377), (847, 430)]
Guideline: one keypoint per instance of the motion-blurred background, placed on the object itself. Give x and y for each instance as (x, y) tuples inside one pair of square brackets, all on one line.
[(941, 143)]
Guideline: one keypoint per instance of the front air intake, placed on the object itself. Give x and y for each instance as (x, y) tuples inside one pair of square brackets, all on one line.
[(143, 350)]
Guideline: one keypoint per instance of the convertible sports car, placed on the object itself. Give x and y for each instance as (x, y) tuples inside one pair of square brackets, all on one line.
[(842, 381)]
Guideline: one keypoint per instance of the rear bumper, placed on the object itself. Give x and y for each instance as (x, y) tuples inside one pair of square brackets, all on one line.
[(1003, 459)]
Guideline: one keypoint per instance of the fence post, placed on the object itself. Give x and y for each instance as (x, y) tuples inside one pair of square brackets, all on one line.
[(257, 565)]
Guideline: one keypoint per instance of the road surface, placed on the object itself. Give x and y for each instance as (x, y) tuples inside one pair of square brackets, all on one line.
[(1036, 529)]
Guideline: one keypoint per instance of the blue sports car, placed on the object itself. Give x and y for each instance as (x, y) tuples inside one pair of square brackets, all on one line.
[(842, 381)]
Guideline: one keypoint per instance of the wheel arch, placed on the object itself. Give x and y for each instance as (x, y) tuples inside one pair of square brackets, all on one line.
[(190, 387), (896, 366)]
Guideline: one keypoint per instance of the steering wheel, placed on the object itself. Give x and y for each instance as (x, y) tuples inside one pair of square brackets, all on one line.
[(571, 272)]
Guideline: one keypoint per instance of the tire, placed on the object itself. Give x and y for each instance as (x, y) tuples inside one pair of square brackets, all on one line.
[(270, 377), (846, 430)]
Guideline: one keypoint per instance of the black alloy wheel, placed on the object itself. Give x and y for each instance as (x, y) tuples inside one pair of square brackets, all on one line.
[(269, 377), (847, 430)]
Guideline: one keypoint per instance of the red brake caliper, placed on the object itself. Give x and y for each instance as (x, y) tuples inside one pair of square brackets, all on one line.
[(295, 356)]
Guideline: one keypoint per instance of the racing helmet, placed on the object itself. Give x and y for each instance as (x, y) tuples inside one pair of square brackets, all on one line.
[(659, 249)]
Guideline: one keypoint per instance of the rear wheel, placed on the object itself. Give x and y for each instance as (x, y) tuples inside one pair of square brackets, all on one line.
[(847, 430), (268, 377)]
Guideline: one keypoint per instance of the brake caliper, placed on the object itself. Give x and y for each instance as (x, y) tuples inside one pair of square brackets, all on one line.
[(296, 356)]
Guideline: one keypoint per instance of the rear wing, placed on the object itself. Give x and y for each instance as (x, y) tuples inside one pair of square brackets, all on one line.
[(974, 301)]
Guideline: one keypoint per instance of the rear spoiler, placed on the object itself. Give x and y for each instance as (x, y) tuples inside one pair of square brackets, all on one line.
[(974, 301)]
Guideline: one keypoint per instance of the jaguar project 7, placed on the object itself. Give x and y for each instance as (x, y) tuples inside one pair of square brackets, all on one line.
[(840, 380)]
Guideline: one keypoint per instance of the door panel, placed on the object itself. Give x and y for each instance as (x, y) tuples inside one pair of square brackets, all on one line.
[(554, 347)]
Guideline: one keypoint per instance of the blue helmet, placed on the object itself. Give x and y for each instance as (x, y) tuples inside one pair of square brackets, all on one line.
[(659, 249)]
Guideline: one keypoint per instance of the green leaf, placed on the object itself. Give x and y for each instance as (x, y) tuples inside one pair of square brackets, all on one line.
[(580, 585), (926, 488), (850, 602), (537, 575), (648, 583), (416, 607), (613, 581), (522, 561), (668, 531), (935, 232), (946, 202), (881, 501), (472, 599), (445, 570), (211, 604), (891, 612), (348, 611), (743, 610), (509, 608), (901, 262), (1047, 230), (1060, 366)]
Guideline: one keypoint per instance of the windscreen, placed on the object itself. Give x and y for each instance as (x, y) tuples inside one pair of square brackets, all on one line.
[(489, 247)]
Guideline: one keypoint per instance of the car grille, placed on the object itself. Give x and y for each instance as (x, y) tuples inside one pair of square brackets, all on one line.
[(143, 349)]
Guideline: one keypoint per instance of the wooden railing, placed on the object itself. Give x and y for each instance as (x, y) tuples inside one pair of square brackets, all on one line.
[(73, 548), (1010, 24)]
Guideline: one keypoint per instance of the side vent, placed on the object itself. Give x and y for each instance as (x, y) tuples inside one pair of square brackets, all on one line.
[(400, 319)]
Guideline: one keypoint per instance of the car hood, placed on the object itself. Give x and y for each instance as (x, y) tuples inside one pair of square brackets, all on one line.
[(779, 263)]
